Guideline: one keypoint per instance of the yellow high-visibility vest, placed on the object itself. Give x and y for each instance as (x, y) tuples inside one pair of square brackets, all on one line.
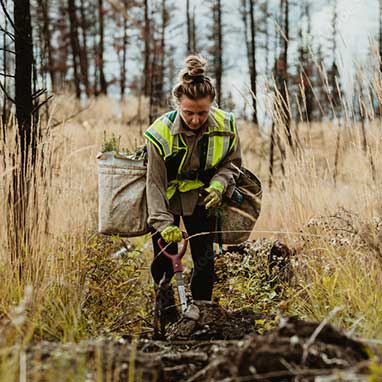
[(218, 140)]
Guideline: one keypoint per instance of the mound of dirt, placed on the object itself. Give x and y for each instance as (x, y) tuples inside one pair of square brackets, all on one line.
[(215, 323), (296, 351)]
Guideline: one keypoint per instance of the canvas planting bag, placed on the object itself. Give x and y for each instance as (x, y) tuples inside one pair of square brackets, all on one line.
[(238, 215), (122, 194)]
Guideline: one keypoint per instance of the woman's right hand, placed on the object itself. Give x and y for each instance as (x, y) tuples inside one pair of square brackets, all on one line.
[(172, 234)]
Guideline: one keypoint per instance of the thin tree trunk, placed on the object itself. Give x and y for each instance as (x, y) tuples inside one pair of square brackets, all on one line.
[(162, 54), (26, 136), (102, 79), (5, 83), (266, 38), (153, 99), (84, 61), (23, 75), (74, 45), (147, 38), (219, 52), (193, 32), (47, 43), (124, 51), (189, 31)]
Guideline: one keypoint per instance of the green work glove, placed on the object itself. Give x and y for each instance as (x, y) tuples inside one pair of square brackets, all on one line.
[(172, 234), (215, 195)]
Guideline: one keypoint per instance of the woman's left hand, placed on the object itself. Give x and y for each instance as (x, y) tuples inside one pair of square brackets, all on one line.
[(215, 195)]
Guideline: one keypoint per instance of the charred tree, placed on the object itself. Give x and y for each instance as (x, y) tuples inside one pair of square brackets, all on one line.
[(160, 71), (23, 78), (74, 42), (4, 83), (305, 68), (217, 48), (84, 60), (193, 32), (249, 35), (124, 50), (146, 54), (191, 29), (101, 47), (333, 87), (47, 49), (282, 71), (189, 26)]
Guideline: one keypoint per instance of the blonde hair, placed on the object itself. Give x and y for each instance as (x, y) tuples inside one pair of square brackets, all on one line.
[(193, 83)]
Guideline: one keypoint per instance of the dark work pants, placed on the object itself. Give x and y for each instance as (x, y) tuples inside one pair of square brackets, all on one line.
[(202, 280)]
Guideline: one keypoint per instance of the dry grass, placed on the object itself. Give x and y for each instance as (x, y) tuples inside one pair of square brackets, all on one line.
[(50, 301)]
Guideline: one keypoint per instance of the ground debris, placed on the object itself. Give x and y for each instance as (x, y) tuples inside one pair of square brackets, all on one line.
[(286, 353), (215, 323)]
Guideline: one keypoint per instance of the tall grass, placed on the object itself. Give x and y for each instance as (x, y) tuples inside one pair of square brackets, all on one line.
[(72, 289)]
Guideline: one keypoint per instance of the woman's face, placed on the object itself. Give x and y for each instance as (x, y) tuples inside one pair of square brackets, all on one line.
[(194, 112)]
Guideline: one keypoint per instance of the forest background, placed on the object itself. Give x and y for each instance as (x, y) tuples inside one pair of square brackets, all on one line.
[(304, 79)]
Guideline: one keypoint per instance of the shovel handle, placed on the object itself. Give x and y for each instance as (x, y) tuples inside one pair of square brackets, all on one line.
[(176, 259)]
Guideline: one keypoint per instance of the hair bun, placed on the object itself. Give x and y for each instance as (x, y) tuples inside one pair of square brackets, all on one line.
[(193, 81), (194, 68), (195, 65)]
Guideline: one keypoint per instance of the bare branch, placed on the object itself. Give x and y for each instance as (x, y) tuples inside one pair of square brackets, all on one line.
[(39, 93), (42, 104), (9, 34), (6, 94), (7, 50), (7, 75), (7, 15)]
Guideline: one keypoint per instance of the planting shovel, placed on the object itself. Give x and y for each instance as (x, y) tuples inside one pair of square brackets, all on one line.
[(176, 261)]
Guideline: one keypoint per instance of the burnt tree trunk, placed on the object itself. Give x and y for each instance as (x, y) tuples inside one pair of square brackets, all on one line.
[(189, 26), (124, 50), (146, 53), (75, 46), (26, 129), (193, 32), (47, 43), (102, 80), (4, 115), (84, 61), (160, 70), (23, 76), (266, 31), (218, 31)]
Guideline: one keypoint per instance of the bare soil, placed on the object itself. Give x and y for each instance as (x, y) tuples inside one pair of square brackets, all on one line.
[(221, 346)]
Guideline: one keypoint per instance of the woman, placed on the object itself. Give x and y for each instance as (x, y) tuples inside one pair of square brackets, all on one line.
[(193, 161)]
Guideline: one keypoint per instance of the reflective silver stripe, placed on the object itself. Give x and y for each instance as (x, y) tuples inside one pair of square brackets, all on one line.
[(166, 121), (227, 128), (225, 145), (176, 141), (210, 151), (164, 143)]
